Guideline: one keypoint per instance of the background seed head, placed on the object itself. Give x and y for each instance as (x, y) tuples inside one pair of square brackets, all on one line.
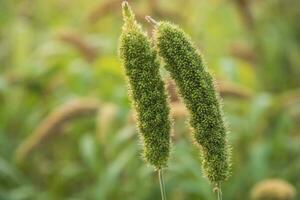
[(54, 123), (273, 189)]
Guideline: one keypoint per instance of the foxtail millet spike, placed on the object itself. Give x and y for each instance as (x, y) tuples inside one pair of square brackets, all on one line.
[(146, 89), (196, 87)]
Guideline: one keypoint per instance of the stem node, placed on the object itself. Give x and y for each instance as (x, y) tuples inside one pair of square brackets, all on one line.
[(218, 191)]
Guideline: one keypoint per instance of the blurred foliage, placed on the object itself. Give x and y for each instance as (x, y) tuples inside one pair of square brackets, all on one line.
[(52, 52)]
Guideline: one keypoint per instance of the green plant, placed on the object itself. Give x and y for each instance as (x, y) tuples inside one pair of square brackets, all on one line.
[(146, 89), (196, 86), (40, 70)]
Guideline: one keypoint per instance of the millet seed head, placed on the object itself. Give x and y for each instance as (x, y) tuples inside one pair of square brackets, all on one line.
[(196, 87), (146, 89)]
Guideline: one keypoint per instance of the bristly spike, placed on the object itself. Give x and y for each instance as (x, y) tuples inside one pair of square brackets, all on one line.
[(147, 90), (196, 86)]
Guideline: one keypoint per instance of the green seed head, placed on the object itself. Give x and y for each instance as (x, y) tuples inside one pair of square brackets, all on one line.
[(146, 89), (196, 87)]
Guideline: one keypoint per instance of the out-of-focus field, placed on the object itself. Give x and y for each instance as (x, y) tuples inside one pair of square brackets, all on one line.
[(66, 126)]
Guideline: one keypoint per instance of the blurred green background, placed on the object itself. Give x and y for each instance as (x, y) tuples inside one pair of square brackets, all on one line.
[(59, 58)]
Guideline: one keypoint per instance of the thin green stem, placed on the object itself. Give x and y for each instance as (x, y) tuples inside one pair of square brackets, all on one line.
[(162, 184), (219, 194)]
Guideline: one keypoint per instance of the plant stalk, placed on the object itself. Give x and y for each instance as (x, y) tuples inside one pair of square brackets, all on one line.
[(161, 184)]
